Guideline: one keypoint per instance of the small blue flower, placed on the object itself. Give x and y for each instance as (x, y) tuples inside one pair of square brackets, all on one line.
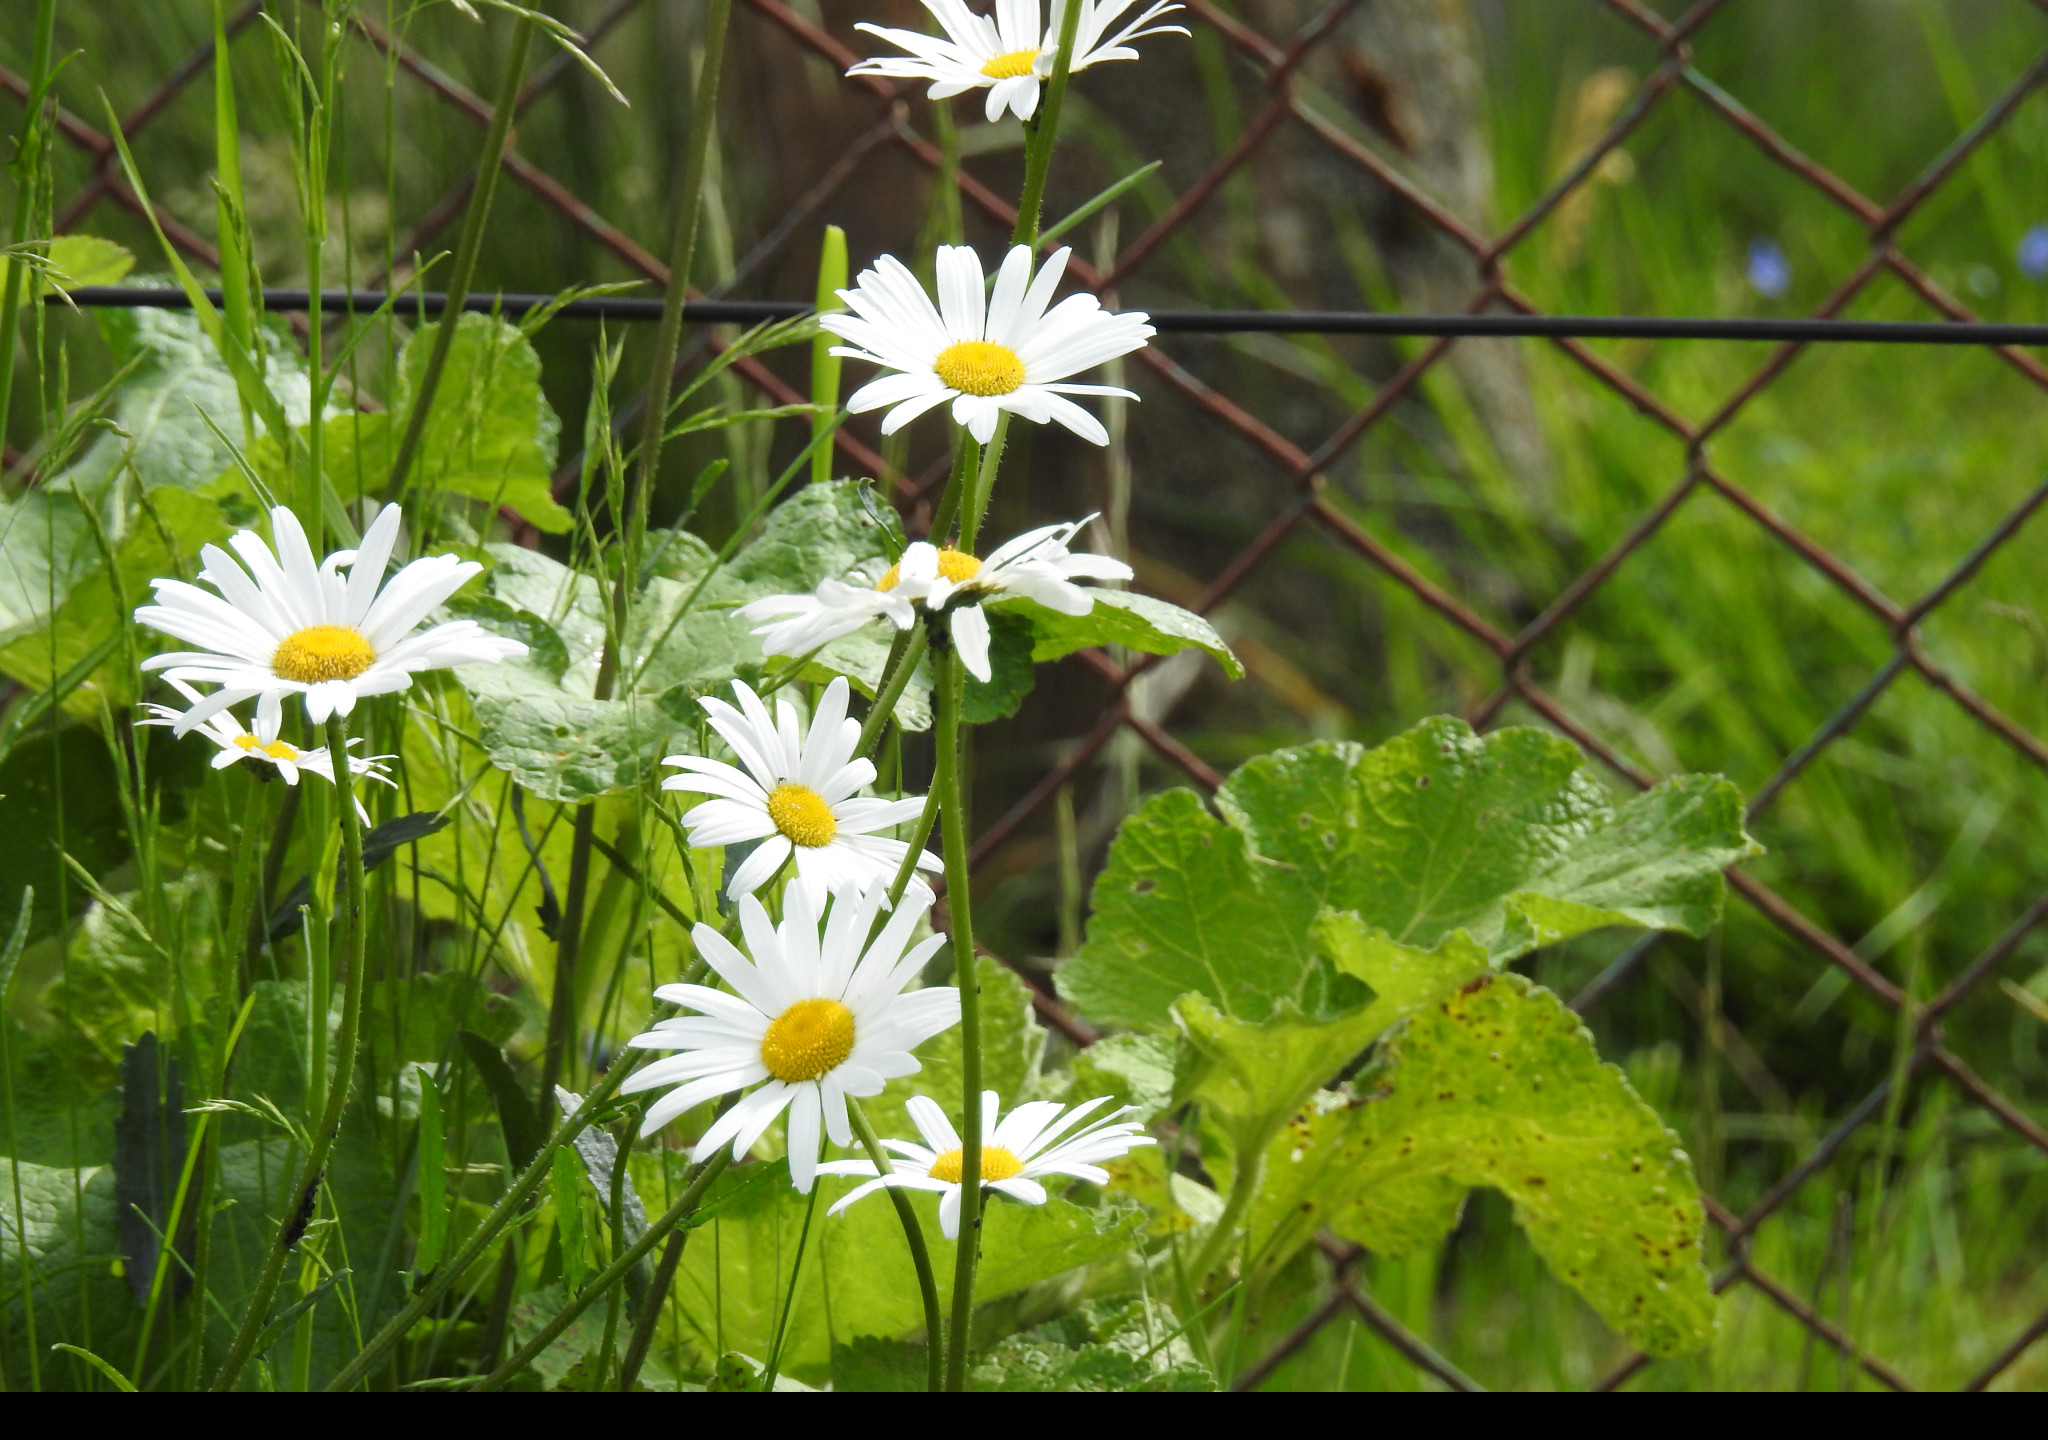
[(2034, 253), (1770, 273)]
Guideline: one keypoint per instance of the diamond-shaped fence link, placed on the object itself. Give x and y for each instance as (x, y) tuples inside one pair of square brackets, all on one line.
[(1306, 504)]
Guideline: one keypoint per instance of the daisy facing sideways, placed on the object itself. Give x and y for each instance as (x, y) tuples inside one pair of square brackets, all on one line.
[(811, 1020), (1035, 566), (799, 797), (1034, 1140), (1007, 352), (287, 626), (1008, 53), (235, 744)]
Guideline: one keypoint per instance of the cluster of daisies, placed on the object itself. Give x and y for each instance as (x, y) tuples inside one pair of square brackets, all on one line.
[(286, 626), (817, 1007)]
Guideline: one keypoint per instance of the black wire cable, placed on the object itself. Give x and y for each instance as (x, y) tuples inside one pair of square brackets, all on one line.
[(1187, 322)]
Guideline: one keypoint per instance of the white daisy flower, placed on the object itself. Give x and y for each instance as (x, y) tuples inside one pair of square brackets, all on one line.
[(1034, 1140), (288, 626), (799, 624), (1008, 54), (1005, 352), (796, 796), (813, 1020), (1034, 566), (262, 745)]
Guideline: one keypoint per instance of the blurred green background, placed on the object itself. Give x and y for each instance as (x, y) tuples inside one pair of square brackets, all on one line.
[(1915, 838)]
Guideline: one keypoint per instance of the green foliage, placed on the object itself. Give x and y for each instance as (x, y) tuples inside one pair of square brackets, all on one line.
[(178, 401), (54, 801), (491, 434), (538, 718), (74, 261), (1499, 1085), (1504, 837), (735, 1272), (1120, 617), (1128, 1344)]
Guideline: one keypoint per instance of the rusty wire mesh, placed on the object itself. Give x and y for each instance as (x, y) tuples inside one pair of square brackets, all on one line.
[(1700, 481)]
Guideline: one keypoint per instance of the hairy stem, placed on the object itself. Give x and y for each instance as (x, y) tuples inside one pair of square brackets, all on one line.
[(488, 167), (509, 1205), (304, 1194), (953, 807), (920, 1253), (613, 1273)]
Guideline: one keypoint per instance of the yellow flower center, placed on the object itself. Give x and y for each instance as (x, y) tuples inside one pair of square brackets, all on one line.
[(322, 652), (1011, 66), (996, 1164), (956, 566), (979, 367), (276, 749), (800, 813), (807, 1039)]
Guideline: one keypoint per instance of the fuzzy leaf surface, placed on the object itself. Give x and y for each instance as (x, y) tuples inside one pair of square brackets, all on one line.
[(1505, 837)]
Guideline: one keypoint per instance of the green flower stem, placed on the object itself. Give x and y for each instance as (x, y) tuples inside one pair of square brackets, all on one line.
[(502, 1214), (920, 1253), (649, 1319), (895, 678), (952, 804), (293, 1223), (569, 945), (917, 839), (964, 461), (489, 165), (613, 1273), (1242, 1188), (985, 483), (1043, 132)]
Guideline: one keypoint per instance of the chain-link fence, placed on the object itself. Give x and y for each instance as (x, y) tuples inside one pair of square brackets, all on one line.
[(1298, 491)]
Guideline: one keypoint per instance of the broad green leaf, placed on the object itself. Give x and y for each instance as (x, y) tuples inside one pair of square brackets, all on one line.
[(1250, 1077), (1125, 1344), (177, 387), (491, 434), (1134, 1069), (858, 1280), (1011, 675), (1440, 829), (77, 260), (66, 1226), (1499, 1085), (567, 1350), (1118, 617), (1183, 906), (537, 717), (1402, 978), (1505, 837), (91, 612)]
